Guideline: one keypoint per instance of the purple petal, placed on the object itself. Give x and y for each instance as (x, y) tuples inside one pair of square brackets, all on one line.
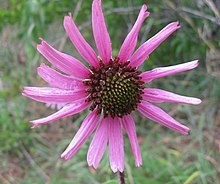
[(67, 110), (47, 94), (131, 40), (116, 145), (170, 70), (63, 61), (156, 114), (59, 80), (158, 96), (79, 42), (149, 46), (129, 126), (100, 32), (98, 145), (85, 130)]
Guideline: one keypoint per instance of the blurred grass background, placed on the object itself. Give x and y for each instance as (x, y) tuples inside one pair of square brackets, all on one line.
[(30, 156)]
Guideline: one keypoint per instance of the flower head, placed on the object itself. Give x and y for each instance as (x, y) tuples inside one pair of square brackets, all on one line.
[(111, 88)]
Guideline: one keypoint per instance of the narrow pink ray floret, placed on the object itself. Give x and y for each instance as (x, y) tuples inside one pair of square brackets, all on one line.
[(110, 88)]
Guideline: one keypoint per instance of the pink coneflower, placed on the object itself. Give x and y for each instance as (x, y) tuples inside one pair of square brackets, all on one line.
[(110, 88)]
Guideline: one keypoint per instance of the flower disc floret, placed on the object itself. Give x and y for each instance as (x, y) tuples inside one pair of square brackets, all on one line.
[(114, 88)]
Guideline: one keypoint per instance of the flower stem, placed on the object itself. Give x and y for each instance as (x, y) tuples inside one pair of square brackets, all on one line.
[(122, 177)]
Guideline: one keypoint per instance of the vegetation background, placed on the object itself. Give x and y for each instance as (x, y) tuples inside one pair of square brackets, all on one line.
[(32, 156)]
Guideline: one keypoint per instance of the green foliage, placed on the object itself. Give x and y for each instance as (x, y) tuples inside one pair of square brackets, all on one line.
[(13, 127)]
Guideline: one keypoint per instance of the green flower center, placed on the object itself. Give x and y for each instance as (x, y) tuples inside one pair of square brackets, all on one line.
[(114, 89)]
